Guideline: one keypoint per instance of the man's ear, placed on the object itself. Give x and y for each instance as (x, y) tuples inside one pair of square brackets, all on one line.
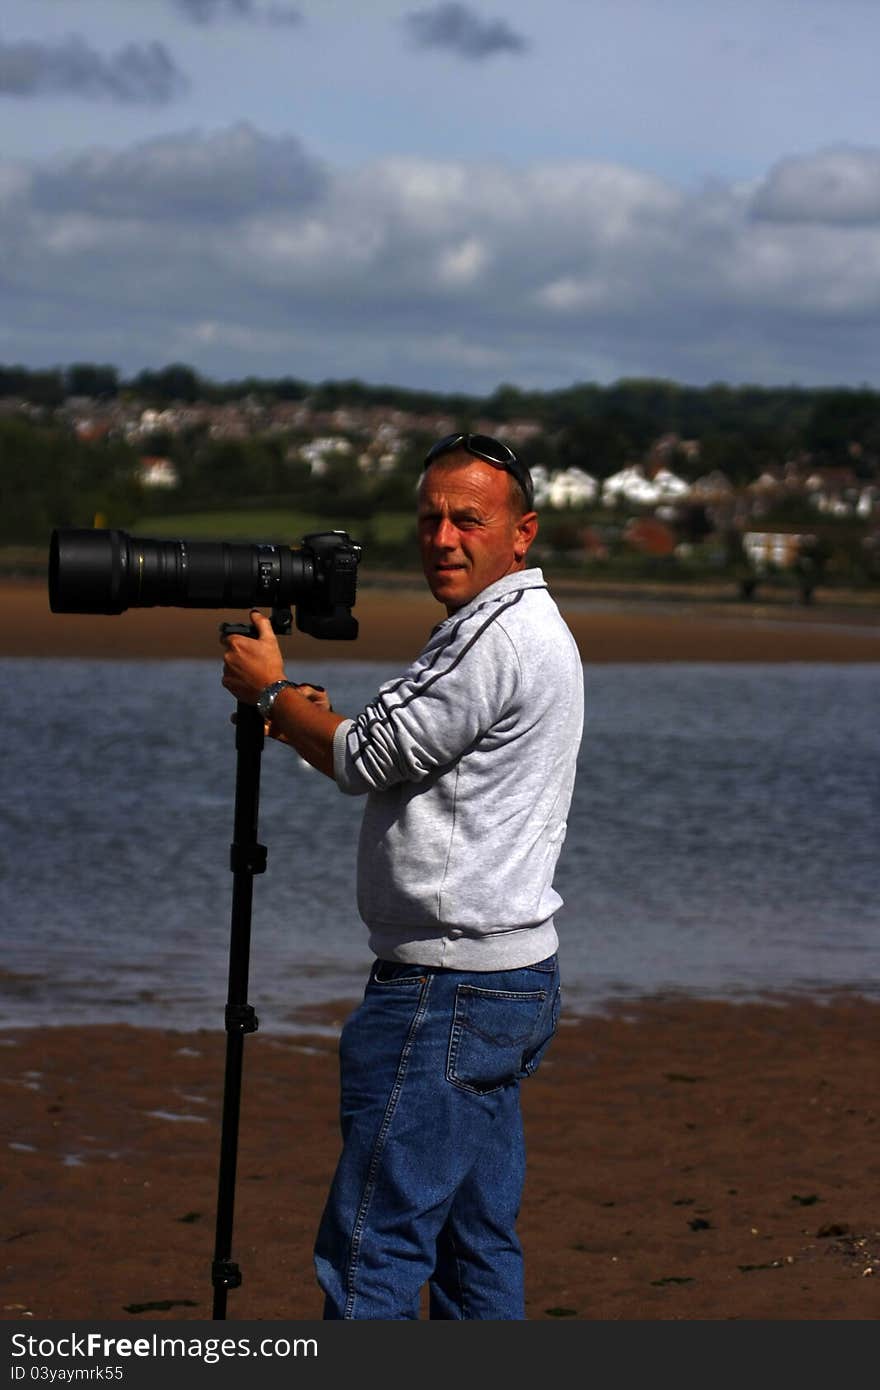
[(526, 531)]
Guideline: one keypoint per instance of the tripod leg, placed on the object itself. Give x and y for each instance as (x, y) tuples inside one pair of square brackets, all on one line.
[(247, 858)]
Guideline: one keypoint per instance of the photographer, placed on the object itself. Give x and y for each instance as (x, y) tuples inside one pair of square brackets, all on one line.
[(467, 762)]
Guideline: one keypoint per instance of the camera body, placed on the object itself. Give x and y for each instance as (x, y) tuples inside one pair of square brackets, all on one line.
[(108, 571)]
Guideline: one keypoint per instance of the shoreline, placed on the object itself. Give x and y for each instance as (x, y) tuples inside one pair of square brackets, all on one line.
[(395, 622), (688, 1160), (324, 1017)]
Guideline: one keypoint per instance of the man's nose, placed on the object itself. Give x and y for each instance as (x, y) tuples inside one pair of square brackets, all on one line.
[(445, 536)]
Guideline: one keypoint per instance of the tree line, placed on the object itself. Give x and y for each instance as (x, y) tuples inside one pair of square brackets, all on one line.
[(740, 428)]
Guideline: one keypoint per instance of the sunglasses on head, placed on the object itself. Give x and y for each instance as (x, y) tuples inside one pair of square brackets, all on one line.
[(490, 450)]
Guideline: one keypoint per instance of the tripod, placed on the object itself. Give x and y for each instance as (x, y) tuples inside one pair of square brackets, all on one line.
[(246, 858)]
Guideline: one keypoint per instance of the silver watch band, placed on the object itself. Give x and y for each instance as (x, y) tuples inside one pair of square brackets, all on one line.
[(269, 695)]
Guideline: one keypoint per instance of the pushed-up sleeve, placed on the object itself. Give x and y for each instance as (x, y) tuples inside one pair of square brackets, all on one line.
[(427, 718)]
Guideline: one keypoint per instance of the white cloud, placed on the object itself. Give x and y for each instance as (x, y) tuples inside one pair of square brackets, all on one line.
[(287, 250), (464, 263), (260, 258)]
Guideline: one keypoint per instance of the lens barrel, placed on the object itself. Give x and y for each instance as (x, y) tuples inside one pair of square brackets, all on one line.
[(110, 571)]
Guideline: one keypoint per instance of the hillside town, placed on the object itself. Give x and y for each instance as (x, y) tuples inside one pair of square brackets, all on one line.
[(659, 506), (377, 438)]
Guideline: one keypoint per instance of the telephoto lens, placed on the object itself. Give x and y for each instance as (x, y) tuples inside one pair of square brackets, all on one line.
[(108, 571)]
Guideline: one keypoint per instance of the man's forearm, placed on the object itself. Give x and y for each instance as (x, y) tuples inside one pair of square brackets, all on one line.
[(306, 727)]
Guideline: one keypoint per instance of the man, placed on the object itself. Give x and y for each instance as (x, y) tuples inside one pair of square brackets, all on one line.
[(467, 761)]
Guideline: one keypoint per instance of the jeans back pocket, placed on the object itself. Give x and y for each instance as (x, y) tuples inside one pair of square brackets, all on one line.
[(494, 1031)]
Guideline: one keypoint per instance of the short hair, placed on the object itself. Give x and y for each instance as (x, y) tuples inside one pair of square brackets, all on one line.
[(461, 458)]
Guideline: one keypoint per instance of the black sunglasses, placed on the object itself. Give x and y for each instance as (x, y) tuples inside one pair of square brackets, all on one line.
[(490, 450)]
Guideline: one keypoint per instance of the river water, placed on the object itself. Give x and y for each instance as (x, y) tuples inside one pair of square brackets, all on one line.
[(722, 843)]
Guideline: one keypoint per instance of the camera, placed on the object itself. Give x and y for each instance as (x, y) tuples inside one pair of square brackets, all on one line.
[(108, 571)]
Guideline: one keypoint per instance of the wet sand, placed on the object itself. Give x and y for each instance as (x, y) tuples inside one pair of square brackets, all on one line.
[(395, 621), (688, 1160)]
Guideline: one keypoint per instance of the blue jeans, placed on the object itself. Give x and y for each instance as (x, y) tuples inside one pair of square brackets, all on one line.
[(430, 1177)]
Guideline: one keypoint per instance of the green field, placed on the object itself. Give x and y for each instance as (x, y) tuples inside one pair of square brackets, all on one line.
[(276, 527)]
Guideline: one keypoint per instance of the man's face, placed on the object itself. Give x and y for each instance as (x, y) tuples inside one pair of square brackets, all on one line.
[(469, 535)]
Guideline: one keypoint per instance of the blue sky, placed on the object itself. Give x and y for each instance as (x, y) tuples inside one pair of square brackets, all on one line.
[(444, 195)]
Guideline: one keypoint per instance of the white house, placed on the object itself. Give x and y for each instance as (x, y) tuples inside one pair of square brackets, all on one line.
[(317, 452), (633, 485), (156, 472), (564, 487), (541, 483), (571, 487)]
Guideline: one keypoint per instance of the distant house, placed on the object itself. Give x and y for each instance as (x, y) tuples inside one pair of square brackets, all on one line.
[(669, 484), (571, 487), (318, 452), (381, 454), (774, 549), (90, 430), (541, 483), (564, 487), (840, 492), (157, 472), (633, 484)]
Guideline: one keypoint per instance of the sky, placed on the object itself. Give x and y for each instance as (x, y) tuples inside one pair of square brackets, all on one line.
[(445, 195)]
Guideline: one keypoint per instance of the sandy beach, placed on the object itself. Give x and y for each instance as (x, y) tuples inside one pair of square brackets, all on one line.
[(395, 621), (688, 1159)]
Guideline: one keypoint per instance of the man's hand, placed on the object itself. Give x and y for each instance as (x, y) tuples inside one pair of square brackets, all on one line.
[(316, 695), (252, 663), (301, 718)]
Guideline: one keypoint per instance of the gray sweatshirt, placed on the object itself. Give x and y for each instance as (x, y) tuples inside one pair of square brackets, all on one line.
[(468, 763)]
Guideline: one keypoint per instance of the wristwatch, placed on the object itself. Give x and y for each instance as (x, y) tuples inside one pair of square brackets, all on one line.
[(268, 697)]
